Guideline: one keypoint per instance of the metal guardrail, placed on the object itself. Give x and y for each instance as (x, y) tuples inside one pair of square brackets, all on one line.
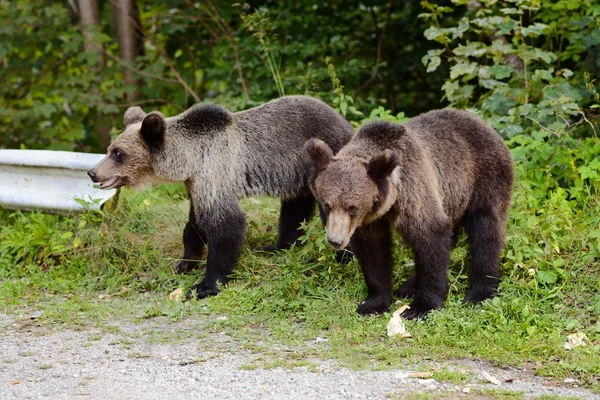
[(54, 181)]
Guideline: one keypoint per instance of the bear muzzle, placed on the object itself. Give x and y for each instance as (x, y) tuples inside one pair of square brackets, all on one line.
[(338, 230), (109, 183)]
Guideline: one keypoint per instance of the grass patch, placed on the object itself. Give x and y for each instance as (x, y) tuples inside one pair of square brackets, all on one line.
[(121, 269)]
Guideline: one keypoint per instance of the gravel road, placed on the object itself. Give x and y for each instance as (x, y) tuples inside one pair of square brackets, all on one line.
[(39, 361)]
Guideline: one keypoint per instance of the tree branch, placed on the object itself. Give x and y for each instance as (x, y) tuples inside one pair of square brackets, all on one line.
[(166, 59), (213, 13), (380, 40)]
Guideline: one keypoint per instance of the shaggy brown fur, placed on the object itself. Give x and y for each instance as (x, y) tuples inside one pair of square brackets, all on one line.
[(442, 170), (222, 156)]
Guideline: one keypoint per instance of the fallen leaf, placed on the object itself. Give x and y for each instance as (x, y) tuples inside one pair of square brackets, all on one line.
[(575, 340), (400, 310), (395, 326), (421, 375), (15, 383), (175, 295), (490, 378)]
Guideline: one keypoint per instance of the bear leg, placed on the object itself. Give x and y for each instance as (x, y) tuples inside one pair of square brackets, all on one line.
[(372, 245), (292, 213), (486, 237), (408, 288), (225, 228), (194, 241), (432, 257)]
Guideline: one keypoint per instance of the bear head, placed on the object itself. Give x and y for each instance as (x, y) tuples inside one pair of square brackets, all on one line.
[(351, 191), (128, 161)]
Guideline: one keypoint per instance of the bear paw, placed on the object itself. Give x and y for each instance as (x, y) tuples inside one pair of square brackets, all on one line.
[(408, 288), (185, 266), (202, 290), (478, 295), (269, 248), (414, 312), (343, 257), (374, 305)]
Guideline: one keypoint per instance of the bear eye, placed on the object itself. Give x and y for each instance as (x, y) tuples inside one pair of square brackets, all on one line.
[(352, 210), (117, 154)]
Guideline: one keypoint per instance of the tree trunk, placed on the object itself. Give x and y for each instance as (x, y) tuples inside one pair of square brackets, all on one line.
[(129, 36), (89, 18)]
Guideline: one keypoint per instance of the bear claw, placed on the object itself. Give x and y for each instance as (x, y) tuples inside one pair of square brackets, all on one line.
[(408, 289), (202, 291), (373, 306), (185, 265), (477, 296)]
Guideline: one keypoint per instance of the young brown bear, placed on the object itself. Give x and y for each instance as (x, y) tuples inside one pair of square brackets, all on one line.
[(442, 170), (222, 156)]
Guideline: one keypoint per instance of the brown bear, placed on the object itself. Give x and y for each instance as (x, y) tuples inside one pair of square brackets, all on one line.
[(222, 156), (442, 170)]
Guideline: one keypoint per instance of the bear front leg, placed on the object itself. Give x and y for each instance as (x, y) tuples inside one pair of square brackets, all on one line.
[(372, 245), (432, 256), (194, 241), (225, 228)]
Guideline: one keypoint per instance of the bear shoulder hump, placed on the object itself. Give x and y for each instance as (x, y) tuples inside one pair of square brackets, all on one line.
[(205, 118), (383, 133)]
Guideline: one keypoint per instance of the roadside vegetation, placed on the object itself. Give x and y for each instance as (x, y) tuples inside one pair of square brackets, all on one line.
[(529, 68)]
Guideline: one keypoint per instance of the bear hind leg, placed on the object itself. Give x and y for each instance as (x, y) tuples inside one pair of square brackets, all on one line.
[(194, 242), (293, 212), (485, 233), (408, 288)]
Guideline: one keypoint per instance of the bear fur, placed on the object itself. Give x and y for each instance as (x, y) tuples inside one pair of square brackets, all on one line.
[(222, 156), (442, 170)]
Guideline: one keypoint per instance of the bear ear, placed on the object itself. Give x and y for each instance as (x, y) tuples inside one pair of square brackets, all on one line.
[(319, 153), (381, 165), (153, 130), (133, 115)]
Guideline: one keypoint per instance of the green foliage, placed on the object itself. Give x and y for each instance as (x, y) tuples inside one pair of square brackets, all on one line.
[(46, 94), (521, 64), (260, 25), (58, 94)]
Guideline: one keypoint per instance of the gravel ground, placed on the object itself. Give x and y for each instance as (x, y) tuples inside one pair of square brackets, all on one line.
[(42, 362)]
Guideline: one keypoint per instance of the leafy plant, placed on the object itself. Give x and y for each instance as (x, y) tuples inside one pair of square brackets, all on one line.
[(504, 61)]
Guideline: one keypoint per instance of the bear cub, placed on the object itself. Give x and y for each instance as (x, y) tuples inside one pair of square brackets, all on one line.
[(222, 156), (427, 178)]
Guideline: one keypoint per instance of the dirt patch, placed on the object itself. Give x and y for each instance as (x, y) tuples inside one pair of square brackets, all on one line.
[(156, 360)]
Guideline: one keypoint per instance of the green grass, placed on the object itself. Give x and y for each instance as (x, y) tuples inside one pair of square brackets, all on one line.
[(121, 269)]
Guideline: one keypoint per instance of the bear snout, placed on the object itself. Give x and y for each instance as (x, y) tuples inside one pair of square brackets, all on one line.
[(92, 175), (336, 242)]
